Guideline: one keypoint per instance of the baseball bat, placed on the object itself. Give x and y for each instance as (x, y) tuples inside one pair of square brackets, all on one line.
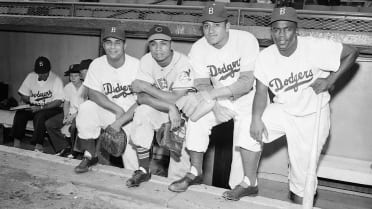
[(311, 176)]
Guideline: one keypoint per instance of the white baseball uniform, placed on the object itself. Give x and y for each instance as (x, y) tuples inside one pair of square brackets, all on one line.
[(42, 92), (177, 75), (223, 67), (293, 111), (115, 83)]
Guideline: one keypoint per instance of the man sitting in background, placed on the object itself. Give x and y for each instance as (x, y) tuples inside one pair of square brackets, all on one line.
[(43, 90)]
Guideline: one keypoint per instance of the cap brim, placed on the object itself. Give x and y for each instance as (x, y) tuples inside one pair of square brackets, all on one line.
[(213, 19), (159, 36), (113, 36), (41, 71), (284, 19)]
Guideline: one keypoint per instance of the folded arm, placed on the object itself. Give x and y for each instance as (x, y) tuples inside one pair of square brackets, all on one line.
[(239, 88)]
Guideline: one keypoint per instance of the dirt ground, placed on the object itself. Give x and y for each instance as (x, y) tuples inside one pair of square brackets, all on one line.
[(40, 181), (20, 189)]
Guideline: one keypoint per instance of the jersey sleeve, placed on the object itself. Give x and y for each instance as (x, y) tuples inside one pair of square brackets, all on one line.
[(249, 52), (144, 72), (196, 61), (259, 72), (66, 95), (58, 89), (25, 89), (185, 75), (323, 48), (92, 78)]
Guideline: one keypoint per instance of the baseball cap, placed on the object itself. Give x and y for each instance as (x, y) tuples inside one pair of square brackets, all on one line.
[(74, 68), (113, 32), (159, 32), (84, 64), (284, 13), (214, 12), (42, 65)]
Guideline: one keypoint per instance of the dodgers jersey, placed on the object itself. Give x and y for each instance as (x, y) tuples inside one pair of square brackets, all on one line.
[(42, 92), (289, 78), (223, 66), (115, 83), (177, 75)]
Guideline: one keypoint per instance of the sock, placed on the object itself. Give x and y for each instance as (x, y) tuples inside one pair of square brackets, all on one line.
[(143, 155), (194, 171), (87, 155), (196, 160), (246, 182)]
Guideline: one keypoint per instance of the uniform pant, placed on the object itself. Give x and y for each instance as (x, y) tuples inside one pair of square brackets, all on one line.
[(23, 116), (147, 120), (299, 131), (91, 118), (197, 136), (53, 126)]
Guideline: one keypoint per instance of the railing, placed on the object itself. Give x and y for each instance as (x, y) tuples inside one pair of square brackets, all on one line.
[(350, 27)]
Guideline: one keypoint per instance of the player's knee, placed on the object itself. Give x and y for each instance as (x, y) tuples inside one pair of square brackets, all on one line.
[(143, 111), (86, 108)]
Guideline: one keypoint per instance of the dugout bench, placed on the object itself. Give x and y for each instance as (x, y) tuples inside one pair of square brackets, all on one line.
[(6, 122)]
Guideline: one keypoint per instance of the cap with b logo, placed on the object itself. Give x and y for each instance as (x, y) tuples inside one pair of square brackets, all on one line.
[(214, 12), (42, 65), (113, 32), (160, 32), (284, 13)]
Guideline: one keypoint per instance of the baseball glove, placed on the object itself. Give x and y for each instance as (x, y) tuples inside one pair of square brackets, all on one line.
[(172, 139), (114, 142), (196, 105)]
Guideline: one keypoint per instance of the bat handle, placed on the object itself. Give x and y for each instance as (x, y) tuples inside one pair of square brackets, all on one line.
[(311, 176)]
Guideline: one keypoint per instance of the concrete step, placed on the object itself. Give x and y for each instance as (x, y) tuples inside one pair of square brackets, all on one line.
[(112, 180)]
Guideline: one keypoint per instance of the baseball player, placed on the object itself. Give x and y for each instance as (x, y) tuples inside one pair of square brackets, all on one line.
[(111, 100), (223, 61), (298, 70), (164, 76), (43, 90)]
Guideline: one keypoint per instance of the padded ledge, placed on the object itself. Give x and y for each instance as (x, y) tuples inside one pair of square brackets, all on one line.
[(345, 169)]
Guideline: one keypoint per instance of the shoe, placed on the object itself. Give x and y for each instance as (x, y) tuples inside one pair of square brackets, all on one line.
[(39, 148), (298, 200), (137, 178), (64, 152), (188, 180), (85, 164), (239, 192)]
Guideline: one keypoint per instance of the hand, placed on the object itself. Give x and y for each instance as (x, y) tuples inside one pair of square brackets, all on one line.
[(174, 117), (320, 85), (69, 118), (223, 113), (257, 129), (139, 86), (36, 108), (188, 104)]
